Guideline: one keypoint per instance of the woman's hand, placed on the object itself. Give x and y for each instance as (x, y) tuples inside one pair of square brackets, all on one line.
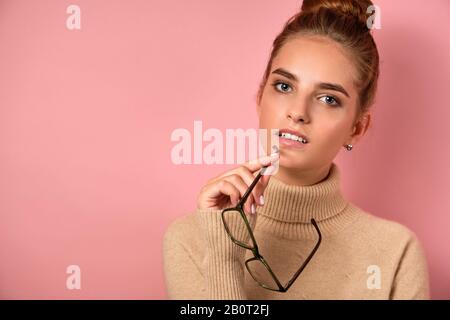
[(226, 189)]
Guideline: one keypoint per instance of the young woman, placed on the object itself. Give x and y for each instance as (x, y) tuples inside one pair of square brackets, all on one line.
[(319, 84)]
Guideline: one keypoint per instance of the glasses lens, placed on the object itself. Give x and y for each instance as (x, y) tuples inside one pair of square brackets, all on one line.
[(237, 227), (261, 274)]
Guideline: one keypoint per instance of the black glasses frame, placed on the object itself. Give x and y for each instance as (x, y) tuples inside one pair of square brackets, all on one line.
[(254, 247)]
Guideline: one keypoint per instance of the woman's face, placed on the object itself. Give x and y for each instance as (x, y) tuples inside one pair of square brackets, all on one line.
[(324, 95)]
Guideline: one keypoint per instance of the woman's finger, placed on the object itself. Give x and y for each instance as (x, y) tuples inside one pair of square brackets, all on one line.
[(252, 166), (218, 195), (242, 186), (249, 177)]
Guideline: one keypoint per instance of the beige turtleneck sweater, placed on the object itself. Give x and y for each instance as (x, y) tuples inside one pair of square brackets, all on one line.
[(361, 256)]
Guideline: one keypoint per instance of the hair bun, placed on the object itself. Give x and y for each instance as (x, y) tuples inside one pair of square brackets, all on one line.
[(354, 8)]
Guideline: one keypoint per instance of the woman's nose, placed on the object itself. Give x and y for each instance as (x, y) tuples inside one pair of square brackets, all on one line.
[(298, 113)]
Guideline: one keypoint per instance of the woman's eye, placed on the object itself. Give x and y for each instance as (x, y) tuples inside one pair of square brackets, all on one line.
[(281, 86), (329, 100)]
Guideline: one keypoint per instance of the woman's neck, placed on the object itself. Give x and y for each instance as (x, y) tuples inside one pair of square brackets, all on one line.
[(298, 177)]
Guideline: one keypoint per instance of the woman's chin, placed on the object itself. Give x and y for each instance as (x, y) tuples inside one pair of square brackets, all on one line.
[(288, 162)]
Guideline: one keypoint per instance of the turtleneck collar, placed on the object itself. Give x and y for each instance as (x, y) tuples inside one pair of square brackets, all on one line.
[(288, 209)]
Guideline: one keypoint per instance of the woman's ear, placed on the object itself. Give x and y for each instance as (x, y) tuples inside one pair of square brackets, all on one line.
[(360, 127)]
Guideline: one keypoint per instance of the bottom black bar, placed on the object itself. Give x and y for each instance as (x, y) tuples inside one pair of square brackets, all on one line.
[(221, 309)]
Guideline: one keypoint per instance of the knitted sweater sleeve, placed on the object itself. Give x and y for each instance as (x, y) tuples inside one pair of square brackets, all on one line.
[(220, 274), (411, 279)]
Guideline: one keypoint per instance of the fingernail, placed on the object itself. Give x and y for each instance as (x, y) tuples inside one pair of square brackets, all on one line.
[(253, 208), (274, 156), (261, 199)]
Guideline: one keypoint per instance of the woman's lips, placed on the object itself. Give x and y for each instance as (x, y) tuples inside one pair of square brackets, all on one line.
[(291, 143), (287, 140)]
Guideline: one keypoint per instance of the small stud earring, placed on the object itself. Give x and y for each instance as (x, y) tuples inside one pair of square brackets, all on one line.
[(349, 147)]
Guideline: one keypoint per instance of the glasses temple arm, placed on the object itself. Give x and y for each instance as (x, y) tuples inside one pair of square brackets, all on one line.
[(309, 257), (250, 188)]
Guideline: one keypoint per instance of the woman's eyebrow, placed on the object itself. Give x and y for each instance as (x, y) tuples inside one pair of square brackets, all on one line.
[(286, 74), (333, 86), (322, 85)]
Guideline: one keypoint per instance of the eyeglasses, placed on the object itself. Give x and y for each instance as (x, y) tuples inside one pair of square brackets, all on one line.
[(235, 219)]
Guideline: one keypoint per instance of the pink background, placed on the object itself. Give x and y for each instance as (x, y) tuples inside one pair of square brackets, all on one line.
[(86, 116)]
